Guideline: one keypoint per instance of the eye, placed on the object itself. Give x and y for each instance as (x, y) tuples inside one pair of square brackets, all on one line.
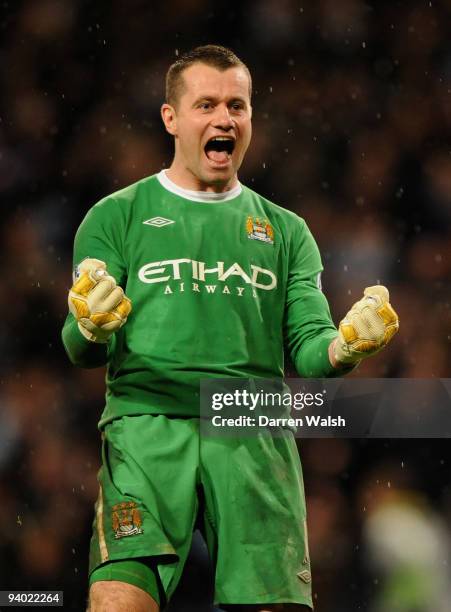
[(237, 106), (205, 105)]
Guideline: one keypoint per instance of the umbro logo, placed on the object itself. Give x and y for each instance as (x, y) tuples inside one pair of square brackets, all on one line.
[(158, 221), (305, 576)]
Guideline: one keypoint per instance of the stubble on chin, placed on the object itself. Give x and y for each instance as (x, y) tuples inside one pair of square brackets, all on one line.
[(214, 178)]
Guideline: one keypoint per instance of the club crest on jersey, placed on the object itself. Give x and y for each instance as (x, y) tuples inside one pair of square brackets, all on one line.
[(126, 520), (259, 229)]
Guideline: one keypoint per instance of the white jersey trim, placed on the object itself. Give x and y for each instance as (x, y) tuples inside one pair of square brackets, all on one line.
[(198, 196)]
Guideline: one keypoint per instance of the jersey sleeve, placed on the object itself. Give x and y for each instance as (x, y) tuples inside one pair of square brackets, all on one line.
[(309, 328), (97, 237), (100, 236)]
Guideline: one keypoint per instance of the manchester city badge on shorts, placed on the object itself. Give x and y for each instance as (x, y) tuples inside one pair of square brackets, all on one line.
[(126, 520), (259, 229)]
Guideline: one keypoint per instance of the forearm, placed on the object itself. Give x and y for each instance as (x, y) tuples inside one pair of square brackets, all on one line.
[(314, 359), (82, 352), (311, 332)]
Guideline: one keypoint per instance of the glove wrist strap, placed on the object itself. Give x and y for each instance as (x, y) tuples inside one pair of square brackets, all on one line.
[(90, 336), (342, 357)]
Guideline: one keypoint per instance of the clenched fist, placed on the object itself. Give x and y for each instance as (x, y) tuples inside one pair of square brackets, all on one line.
[(98, 304), (367, 328)]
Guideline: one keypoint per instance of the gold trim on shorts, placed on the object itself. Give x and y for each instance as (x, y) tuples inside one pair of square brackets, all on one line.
[(100, 531)]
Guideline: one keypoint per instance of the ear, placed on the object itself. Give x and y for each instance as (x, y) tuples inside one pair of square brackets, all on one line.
[(169, 117)]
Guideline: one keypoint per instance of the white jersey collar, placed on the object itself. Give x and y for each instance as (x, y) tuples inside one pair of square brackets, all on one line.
[(198, 196)]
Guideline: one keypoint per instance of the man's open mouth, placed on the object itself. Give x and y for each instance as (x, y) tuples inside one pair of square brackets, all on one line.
[(219, 149)]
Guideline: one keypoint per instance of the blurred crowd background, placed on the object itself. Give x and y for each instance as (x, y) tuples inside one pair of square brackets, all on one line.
[(352, 117)]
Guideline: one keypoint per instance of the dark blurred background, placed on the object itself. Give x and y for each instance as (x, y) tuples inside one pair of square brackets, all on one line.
[(352, 117)]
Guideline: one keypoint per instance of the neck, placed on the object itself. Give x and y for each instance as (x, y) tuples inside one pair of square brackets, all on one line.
[(185, 179)]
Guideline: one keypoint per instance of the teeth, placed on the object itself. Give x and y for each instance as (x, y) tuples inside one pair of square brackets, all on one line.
[(221, 138)]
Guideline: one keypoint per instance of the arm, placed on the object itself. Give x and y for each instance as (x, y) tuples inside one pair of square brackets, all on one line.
[(317, 348), (80, 350), (98, 236), (309, 329)]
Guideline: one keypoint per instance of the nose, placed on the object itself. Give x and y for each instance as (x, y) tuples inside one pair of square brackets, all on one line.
[(222, 119)]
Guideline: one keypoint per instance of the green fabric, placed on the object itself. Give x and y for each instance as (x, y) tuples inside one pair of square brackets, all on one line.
[(247, 492), (208, 301), (81, 351), (131, 571)]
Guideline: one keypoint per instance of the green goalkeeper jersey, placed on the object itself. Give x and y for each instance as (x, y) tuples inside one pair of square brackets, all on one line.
[(218, 283)]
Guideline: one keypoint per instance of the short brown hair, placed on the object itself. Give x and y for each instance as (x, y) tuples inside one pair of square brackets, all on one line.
[(212, 55)]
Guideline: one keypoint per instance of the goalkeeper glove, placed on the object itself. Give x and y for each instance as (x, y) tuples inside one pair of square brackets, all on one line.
[(367, 328), (98, 304)]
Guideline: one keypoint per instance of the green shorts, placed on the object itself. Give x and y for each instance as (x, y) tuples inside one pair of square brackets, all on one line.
[(160, 479)]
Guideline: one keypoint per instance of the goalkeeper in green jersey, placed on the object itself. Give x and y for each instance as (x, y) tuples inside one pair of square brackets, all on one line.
[(189, 274)]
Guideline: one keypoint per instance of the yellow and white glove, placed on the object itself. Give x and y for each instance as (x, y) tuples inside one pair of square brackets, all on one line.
[(367, 328), (98, 304)]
